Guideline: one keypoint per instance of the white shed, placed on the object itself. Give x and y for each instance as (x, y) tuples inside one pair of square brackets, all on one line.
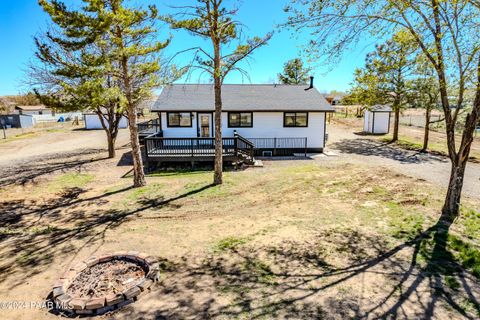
[(92, 122), (377, 120)]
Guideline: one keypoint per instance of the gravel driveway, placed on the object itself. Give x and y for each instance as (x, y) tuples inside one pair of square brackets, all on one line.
[(363, 149)]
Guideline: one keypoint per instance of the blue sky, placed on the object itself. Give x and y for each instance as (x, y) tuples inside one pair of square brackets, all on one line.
[(22, 19)]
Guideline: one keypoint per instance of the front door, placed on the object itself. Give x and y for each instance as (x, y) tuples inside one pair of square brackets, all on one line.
[(205, 125)]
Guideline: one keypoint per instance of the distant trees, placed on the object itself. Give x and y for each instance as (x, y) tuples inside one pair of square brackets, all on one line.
[(425, 94), (7, 103), (446, 32), (385, 79), (105, 55), (294, 72), (211, 20)]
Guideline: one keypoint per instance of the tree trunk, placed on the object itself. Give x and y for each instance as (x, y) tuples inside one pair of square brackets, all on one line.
[(138, 174), (426, 134), (396, 123), (218, 175), (217, 77), (111, 145), (451, 206)]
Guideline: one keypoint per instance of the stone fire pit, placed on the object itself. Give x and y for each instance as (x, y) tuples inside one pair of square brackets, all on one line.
[(105, 283)]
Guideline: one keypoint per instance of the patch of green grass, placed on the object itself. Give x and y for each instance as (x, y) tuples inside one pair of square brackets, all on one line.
[(8, 231), (116, 188), (470, 220), (259, 269), (470, 306), (44, 230), (19, 136), (150, 191), (452, 282), (184, 173), (380, 191), (229, 243), (467, 254), (223, 190), (55, 130), (70, 180), (309, 168)]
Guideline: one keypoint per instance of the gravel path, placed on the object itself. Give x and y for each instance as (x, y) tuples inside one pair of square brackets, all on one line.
[(362, 149), (46, 144)]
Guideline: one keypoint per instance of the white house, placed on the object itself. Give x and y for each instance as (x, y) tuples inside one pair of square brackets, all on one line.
[(276, 119), (377, 120)]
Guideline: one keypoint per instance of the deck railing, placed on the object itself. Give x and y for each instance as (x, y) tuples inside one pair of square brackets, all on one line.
[(279, 146), (159, 147), (150, 126)]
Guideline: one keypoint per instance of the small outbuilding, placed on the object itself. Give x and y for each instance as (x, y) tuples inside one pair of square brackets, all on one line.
[(377, 119), (92, 122), (16, 121), (34, 110)]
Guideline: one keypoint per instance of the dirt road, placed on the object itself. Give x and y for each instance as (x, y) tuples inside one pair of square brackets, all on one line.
[(353, 148), (48, 142)]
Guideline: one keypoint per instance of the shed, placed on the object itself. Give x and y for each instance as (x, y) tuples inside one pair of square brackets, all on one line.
[(16, 121), (92, 122), (377, 119)]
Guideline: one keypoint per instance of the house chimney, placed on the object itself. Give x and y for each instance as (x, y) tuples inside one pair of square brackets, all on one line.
[(311, 84)]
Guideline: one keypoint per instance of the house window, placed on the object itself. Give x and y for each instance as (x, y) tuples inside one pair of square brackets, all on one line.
[(179, 119), (240, 119), (295, 119)]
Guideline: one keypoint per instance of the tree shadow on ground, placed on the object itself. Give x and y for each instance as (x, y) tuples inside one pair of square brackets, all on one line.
[(296, 280), (369, 147), (29, 250), (35, 167)]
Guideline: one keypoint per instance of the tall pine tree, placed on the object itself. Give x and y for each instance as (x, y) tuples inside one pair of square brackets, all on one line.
[(294, 72), (210, 20), (131, 55)]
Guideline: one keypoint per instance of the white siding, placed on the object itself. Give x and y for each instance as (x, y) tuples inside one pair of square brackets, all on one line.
[(92, 122), (376, 122), (265, 125), (179, 132)]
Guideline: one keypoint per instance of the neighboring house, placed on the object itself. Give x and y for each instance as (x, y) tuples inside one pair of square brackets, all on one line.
[(377, 119), (334, 100), (92, 122), (270, 119), (34, 110), (16, 121)]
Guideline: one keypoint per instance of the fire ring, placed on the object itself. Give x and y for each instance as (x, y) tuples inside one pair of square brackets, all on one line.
[(106, 283)]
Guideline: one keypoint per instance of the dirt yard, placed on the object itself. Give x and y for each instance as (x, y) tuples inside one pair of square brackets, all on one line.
[(323, 238), (352, 147)]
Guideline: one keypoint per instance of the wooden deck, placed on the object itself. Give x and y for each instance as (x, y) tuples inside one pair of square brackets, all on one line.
[(159, 149), (236, 149), (148, 128)]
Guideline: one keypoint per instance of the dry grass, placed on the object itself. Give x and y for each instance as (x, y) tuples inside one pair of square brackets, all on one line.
[(294, 239)]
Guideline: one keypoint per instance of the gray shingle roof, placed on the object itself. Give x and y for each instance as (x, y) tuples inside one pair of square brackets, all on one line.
[(241, 97)]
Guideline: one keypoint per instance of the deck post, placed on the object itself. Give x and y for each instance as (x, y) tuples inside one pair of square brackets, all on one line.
[(193, 151), (274, 146), (306, 146), (146, 151), (235, 141)]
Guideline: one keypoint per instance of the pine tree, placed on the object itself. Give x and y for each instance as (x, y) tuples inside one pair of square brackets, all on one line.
[(126, 51), (212, 21), (294, 72)]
